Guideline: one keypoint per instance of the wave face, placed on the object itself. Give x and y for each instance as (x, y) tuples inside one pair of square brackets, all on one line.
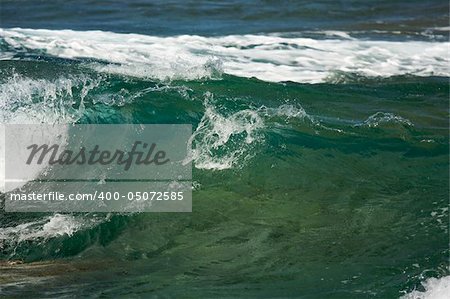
[(342, 182), (267, 57)]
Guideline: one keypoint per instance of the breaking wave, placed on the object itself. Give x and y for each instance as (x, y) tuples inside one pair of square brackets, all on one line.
[(267, 57)]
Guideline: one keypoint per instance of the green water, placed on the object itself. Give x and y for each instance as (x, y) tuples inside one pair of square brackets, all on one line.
[(327, 190)]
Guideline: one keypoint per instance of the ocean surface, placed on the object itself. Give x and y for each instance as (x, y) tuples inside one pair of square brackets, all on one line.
[(320, 146)]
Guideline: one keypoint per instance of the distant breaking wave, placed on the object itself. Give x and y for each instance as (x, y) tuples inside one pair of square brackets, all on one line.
[(267, 57), (435, 288)]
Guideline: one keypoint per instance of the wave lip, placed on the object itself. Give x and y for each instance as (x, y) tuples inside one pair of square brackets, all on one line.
[(267, 57)]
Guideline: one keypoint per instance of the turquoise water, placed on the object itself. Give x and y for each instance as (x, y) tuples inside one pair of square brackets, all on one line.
[(333, 183)]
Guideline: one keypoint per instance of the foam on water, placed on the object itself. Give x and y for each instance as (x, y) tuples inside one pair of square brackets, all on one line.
[(48, 227), (267, 57), (222, 141), (435, 288), (37, 101), (286, 110)]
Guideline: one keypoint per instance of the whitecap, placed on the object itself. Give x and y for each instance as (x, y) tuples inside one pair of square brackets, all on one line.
[(42, 229), (267, 57)]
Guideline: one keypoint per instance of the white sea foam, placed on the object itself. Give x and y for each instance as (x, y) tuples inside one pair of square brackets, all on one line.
[(36, 101), (222, 141), (435, 288), (267, 57)]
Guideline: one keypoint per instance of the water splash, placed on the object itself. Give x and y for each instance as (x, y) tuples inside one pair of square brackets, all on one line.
[(267, 57), (435, 288)]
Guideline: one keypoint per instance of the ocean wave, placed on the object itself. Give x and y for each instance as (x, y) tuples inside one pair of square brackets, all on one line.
[(267, 57), (229, 130)]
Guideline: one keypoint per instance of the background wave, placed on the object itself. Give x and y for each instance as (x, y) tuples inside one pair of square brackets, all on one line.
[(266, 57)]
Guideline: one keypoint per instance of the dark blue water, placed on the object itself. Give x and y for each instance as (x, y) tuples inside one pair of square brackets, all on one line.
[(410, 19)]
